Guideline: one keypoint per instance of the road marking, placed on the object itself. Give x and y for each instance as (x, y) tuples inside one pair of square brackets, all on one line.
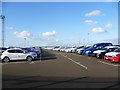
[(32, 62), (78, 63), (108, 63)]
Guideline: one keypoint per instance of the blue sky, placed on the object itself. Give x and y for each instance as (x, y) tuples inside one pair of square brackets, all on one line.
[(60, 23)]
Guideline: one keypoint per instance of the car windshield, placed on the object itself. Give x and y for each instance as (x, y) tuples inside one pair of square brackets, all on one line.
[(117, 50), (93, 47), (105, 49), (96, 47)]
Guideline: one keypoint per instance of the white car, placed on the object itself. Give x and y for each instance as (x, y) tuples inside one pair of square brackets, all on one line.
[(97, 52), (80, 51), (17, 54)]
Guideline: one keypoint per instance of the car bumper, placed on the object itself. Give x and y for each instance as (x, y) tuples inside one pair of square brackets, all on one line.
[(87, 53), (111, 59)]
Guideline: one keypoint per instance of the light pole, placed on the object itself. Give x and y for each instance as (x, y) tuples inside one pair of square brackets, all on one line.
[(88, 38), (2, 17), (25, 41)]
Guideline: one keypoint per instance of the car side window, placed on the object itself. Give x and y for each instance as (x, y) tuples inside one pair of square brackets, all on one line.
[(19, 51), (11, 51)]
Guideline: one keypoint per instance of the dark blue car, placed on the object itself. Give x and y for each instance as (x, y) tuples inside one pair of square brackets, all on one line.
[(95, 47)]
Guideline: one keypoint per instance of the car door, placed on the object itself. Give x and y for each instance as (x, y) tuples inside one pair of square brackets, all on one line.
[(20, 55), (11, 54)]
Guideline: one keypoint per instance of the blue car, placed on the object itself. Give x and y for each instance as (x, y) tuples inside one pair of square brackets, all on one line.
[(95, 47)]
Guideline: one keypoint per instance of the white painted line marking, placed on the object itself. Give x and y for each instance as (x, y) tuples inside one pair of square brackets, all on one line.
[(75, 61), (32, 62), (108, 63)]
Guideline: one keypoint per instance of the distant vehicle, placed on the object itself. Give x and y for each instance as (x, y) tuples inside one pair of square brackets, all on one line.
[(73, 49), (80, 51), (64, 49), (31, 50), (95, 47), (113, 56), (56, 49), (68, 50), (17, 54), (101, 53)]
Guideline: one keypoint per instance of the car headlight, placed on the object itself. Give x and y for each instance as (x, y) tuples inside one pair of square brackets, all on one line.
[(88, 51)]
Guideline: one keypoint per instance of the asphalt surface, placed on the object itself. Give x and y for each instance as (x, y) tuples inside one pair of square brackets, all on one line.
[(60, 70)]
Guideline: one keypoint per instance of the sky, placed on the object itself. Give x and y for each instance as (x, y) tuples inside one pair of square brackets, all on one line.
[(60, 23)]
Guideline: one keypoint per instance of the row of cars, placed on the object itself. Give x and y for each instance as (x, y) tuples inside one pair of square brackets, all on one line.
[(106, 51), (19, 53)]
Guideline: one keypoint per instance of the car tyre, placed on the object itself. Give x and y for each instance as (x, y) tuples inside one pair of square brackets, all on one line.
[(6, 59), (29, 58)]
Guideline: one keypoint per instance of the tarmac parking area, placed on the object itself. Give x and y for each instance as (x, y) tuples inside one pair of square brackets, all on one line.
[(60, 70)]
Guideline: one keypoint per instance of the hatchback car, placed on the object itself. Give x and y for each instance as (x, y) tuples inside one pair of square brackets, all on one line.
[(113, 56), (17, 54)]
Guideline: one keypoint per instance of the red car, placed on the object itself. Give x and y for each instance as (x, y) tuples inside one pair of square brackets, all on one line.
[(30, 50), (113, 56)]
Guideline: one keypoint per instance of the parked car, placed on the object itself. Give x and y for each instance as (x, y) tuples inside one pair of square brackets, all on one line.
[(101, 53), (64, 49), (32, 50), (113, 56), (17, 54), (68, 50), (56, 49), (80, 51), (95, 47), (73, 49)]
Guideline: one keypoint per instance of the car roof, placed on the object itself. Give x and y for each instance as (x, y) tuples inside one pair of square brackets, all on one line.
[(15, 49), (102, 43), (111, 47)]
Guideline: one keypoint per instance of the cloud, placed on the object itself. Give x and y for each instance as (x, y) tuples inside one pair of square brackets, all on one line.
[(9, 28), (90, 22), (24, 34), (94, 13), (53, 33), (109, 26), (99, 30)]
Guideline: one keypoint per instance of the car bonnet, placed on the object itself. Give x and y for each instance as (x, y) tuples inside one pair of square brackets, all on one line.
[(112, 53)]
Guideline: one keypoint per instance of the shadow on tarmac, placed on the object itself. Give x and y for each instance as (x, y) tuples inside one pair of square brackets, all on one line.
[(17, 82)]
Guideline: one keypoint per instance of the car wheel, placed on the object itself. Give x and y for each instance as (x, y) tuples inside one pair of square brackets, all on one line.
[(29, 58), (6, 59)]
